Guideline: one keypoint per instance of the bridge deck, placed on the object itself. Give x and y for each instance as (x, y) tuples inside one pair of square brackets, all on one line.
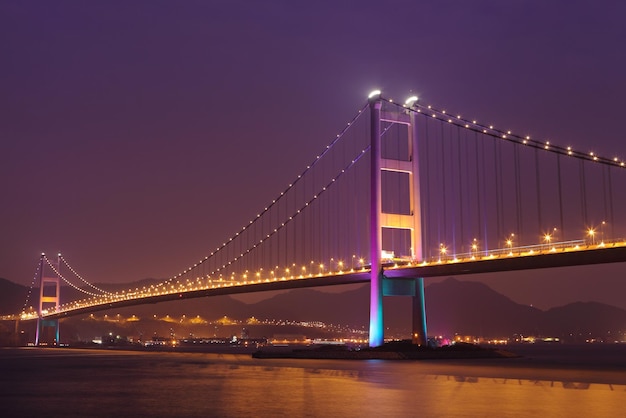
[(505, 263), (490, 264)]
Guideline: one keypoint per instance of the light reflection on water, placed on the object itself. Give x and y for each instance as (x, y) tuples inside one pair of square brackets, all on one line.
[(95, 383)]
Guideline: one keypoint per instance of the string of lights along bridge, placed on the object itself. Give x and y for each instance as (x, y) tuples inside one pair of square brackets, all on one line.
[(416, 186)]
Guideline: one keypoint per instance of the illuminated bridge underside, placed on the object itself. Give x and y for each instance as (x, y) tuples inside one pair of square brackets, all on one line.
[(226, 289), (488, 265)]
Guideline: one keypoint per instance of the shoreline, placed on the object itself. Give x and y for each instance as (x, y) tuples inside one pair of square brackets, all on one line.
[(389, 351)]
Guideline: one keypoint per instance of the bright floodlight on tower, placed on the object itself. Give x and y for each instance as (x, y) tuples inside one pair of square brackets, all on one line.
[(410, 101), (373, 94)]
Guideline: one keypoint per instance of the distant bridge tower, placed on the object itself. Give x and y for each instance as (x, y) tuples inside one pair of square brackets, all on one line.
[(411, 222), (49, 298)]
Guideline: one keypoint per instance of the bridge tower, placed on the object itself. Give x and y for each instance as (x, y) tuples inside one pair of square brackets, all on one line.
[(379, 220), (49, 298)]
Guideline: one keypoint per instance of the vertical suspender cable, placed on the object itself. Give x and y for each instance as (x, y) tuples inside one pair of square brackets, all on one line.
[(301, 231), (538, 190), (356, 194), (499, 174), (294, 229), (611, 220), (443, 180), (248, 248), (322, 196), (318, 210), (478, 200), (558, 169), (290, 244), (427, 241), (438, 187), (249, 260), (583, 192), (258, 253), (332, 213), (452, 194), (321, 201), (496, 166), (277, 235), (351, 244), (518, 193), (604, 197), (322, 220), (467, 180), (484, 181), (311, 224), (308, 250), (269, 257), (237, 247), (222, 260), (458, 137), (345, 224), (338, 215)]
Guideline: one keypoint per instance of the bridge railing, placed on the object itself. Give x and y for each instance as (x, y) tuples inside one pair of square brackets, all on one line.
[(526, 250)]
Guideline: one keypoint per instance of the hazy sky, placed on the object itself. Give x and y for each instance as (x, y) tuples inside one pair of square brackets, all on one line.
[(136, 135)]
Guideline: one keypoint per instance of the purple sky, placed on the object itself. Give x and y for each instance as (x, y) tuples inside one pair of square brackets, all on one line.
[(137, 135)]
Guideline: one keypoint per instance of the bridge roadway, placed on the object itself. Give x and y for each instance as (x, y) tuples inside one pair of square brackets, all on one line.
[(489, 264)]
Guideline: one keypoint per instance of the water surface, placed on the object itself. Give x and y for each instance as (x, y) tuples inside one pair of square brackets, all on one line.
[(92, 383)]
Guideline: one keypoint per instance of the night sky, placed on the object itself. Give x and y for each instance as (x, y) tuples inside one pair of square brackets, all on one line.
[(138, 135)]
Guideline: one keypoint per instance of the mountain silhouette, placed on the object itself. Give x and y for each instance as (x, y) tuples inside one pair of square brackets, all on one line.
[(473, 308)]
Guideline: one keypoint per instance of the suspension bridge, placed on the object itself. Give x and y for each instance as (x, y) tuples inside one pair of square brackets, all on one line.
[(404, 192)]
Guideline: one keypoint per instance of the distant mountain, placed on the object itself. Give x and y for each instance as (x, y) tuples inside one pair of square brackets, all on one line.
[(473, 308), (452, 307), (585, 318), (12, 297)]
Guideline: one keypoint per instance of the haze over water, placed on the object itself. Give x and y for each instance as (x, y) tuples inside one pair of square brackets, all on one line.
[(547, 381)]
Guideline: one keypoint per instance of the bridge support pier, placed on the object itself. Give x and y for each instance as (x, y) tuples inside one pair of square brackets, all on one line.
[(43, 334), (415, 289), (419, 336), (377, 329)]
